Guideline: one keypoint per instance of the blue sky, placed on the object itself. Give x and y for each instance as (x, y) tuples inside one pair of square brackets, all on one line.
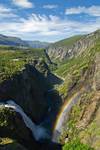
[(47, 20)]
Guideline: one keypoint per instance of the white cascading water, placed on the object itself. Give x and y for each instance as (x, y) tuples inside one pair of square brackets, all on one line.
[(37, 131)]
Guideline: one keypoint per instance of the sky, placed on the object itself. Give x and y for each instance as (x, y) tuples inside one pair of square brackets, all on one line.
[(48, 20)]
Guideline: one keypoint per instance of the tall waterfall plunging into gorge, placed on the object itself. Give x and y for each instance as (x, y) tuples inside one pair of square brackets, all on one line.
[(38, 132)]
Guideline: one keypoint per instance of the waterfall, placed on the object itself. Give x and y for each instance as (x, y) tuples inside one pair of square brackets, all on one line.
[(38, 132)]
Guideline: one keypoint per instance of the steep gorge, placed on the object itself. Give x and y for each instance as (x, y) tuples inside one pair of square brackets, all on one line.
[(54, 103), (81, 119)]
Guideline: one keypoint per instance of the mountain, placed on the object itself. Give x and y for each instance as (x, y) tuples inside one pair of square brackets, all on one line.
[(11, 41), (80, 91), (38, 44), (67, 42), (53, 94), (14, 41), (72, 47)]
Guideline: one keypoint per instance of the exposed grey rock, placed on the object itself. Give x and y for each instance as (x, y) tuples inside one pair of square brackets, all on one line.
[(97, 72), (57, 52)]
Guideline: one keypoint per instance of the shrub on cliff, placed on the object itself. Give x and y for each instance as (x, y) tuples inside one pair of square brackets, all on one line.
[(76, 145)]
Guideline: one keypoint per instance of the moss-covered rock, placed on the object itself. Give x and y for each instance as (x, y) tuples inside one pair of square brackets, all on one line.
[(10, 144)]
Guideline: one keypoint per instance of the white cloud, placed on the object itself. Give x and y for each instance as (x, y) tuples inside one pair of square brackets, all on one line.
[(48, 28), (23, 3), (50, 6), (7, 15), (6, 12), (74, 10), (93, 10)]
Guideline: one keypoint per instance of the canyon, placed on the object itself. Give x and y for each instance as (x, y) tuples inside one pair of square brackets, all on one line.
[(50, 94)]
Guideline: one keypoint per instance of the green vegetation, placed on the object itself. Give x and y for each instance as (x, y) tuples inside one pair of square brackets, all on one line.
[(6, 140), (89, 135), (76, 145), (70, 126), (6, 116), (73, 70), (76, 64), (13, 60), (69, 41), (10, 144), (75, 141)]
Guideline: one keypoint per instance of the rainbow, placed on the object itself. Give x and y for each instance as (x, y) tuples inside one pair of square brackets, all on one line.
[(64, 113)]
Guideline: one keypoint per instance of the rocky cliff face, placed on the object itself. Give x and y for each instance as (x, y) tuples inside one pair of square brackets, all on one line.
[(61, 53), (88, 123), (29, 88), (12, 125), (84, 116), (97, 72)]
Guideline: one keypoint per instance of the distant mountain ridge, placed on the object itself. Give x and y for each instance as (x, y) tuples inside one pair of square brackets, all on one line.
[(37, 44), (15, 41), (12, 41)]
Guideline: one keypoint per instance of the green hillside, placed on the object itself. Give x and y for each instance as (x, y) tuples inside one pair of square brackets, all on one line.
[(72, 69), (80, 72), (69, 41)]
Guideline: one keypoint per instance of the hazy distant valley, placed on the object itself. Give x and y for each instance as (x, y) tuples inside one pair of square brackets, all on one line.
[(14, 41), (50, 94)]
